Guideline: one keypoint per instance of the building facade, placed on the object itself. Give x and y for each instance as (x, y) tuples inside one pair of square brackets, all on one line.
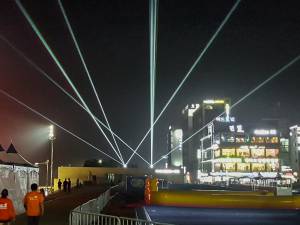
[(295, 148), (228, 150)]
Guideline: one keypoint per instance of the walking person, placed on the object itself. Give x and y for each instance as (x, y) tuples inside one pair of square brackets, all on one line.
[(34, 205), (69, 185), (59, 184), (7, 210), (65, 184)]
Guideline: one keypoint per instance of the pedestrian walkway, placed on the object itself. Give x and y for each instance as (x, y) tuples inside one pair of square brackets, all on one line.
[(59, 205)]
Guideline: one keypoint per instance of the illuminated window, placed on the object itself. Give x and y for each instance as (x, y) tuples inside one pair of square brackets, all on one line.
[(243, 167), (274, 140), (257, 152), (217, 167), (240, 140), (257, 140), (217, 153), (230, 167), (272, 167), (243, 152), (272, 153), (228, 152), (258, 167)]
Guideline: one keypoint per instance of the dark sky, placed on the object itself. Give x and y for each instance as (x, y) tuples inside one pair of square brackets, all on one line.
[(260, 37)]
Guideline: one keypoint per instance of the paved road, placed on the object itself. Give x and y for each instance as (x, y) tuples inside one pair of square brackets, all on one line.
[(58, 206), (200, 216)]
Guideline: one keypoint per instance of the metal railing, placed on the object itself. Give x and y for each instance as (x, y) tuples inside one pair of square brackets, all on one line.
[(89, 213), (95, 205), (84, 218)]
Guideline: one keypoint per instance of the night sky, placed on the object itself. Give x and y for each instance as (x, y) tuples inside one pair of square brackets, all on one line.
[(260, 37)]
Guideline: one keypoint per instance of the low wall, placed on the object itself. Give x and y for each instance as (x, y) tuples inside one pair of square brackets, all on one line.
[(17, 179)]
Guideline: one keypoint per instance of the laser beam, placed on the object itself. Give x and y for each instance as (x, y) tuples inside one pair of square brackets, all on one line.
[(274, 75), (54, 123), (153, 8), (40, 36), (42, 72), (87, 72), (189, 72)]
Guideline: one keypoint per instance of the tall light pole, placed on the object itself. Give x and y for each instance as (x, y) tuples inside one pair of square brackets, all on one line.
[(47, 167), (51, 138)]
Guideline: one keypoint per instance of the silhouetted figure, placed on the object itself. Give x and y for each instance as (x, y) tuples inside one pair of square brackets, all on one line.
[(59, 184), (65, 185), (69, 185), (77, 183), (7, 210)]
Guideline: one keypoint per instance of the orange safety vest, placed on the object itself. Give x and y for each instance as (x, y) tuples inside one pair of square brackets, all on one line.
[(32, 202), (7, 210)]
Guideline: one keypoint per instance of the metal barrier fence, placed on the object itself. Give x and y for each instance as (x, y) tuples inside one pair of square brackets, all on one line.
[(89, 213), (95, 205), (84, 218)]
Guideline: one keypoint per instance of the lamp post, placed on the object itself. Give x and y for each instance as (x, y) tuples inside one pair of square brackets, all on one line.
[(51, 138), (47, 167)]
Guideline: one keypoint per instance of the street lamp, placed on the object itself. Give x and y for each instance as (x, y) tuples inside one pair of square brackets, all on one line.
[(51, 138), (47, 166)]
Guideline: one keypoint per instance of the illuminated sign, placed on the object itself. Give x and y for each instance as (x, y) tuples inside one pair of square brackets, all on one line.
[(265, 132), (211, 101), (224, 120), (237, 128), (167, 171)]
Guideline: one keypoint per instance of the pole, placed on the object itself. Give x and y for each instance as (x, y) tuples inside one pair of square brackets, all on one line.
[(47, 178), (51, 163)]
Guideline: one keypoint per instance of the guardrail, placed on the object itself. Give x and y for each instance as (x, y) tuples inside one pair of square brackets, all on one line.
[(89, 213), (84, 218), (95, 205)]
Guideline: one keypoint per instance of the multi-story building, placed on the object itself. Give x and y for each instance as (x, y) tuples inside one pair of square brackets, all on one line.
[(227, 150), (175, 137), (295, 148)]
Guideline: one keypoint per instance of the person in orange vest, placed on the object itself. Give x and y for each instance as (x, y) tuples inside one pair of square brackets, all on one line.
[(34, 205), (7, 210)]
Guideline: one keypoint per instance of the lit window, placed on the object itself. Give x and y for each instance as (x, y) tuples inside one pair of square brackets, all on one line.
[(258, 167), (243, 167), (228, 152)]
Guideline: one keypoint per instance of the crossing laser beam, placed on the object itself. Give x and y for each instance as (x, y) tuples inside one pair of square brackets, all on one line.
[(153, 8), (87, 72), (274, 75), (42, 72), (189, 72), (54, 123), (40, 36)]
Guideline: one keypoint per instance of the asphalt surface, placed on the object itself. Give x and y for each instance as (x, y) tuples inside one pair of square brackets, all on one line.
[(59, 205), (204, 216)]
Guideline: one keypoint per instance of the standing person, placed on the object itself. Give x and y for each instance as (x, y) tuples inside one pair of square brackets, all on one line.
[(34, 205), (65, 184), (7, 210), (59, 184), (69, 185)]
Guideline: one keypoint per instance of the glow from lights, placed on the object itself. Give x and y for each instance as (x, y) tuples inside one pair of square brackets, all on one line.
[(189, 72), (124, 165), (56, 124), (51, 132), (100, 161), (167, 171)]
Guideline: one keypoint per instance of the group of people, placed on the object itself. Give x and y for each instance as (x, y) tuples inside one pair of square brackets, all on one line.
[(33, 204), (66, 185)]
